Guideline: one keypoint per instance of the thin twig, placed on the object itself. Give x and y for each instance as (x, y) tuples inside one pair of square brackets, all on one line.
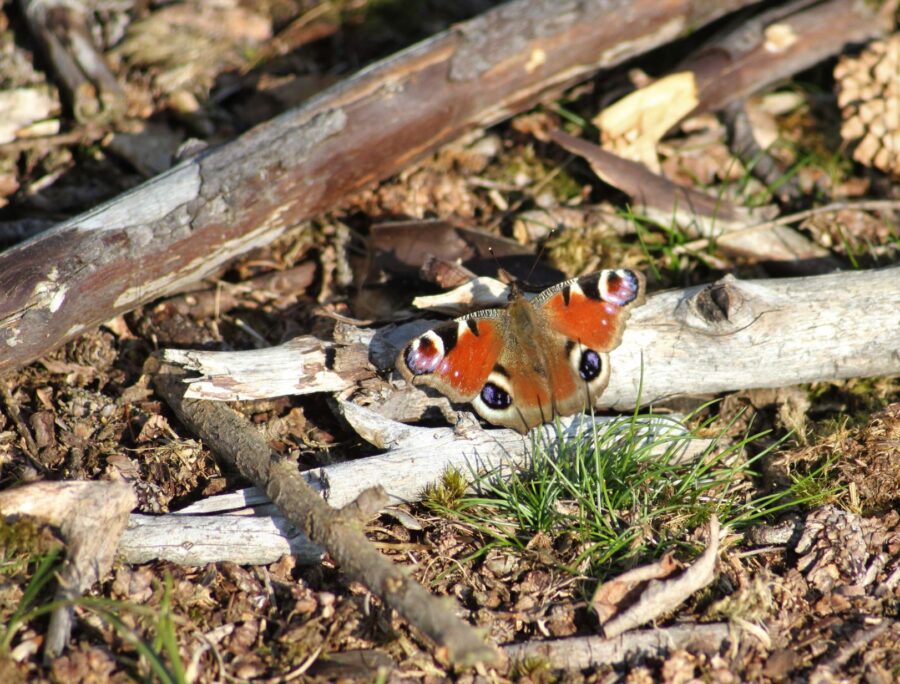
[(826, 671), (12, 409), (580, 653)]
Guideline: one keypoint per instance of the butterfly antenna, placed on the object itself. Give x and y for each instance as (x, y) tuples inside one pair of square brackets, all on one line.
[(540, 254)]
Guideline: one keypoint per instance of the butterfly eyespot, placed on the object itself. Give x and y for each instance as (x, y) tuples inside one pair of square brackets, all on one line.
[(590, 366), (620, 287), (495, 397), (423, 355)]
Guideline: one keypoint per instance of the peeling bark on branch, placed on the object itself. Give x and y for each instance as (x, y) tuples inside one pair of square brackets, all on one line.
[(186, 223)]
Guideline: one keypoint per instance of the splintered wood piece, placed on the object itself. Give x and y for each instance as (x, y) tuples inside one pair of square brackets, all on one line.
[(186, 223), (478, 293), (91, 517), (303, 365)]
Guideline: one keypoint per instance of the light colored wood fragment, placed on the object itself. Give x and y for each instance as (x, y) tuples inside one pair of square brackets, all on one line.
[(243, 527), (580, 653), (201, 539)]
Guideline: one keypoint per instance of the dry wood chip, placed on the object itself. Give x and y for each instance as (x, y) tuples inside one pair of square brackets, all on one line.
[(633, 126), (23, 106)]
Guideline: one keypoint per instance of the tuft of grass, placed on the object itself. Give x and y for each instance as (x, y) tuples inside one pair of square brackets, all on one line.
[(29, 557), (446, 494), (624, 492)]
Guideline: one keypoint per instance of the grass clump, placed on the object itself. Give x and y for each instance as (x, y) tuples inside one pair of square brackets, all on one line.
[(624, 491), (446, 494)]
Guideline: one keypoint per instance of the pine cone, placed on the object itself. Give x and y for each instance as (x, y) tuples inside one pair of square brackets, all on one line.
[(868, 88)]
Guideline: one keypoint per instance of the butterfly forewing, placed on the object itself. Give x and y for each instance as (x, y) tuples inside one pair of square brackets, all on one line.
[(455, 357), (591, 310)]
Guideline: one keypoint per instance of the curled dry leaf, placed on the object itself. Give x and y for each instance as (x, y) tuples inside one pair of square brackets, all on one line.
[(663, 595), (614, 595)]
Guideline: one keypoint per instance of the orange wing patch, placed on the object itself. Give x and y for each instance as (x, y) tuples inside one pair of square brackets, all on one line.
[(465, 367), (596, 324)]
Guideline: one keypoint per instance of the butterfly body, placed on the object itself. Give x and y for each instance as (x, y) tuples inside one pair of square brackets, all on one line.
[(523, 365)]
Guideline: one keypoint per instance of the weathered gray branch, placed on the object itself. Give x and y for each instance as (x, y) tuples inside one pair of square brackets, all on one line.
[(219, 528), (186, 223), (730, 335), (735, 335)]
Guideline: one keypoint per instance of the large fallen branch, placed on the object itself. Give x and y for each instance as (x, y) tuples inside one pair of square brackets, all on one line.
[(729, 335), (186, 223), (220, 528)]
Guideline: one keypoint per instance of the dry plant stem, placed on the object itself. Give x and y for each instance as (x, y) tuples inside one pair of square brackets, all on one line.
[(653, 195), (62, 26), (581, 653), (662, 596), (235, 440), (833, 208), (84, 135), (186, 223)]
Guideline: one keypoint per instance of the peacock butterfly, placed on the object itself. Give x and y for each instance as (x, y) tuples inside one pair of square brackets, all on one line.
[(523, 365)]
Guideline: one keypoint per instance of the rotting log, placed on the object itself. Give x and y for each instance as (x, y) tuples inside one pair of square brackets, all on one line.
[(186, 223)]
